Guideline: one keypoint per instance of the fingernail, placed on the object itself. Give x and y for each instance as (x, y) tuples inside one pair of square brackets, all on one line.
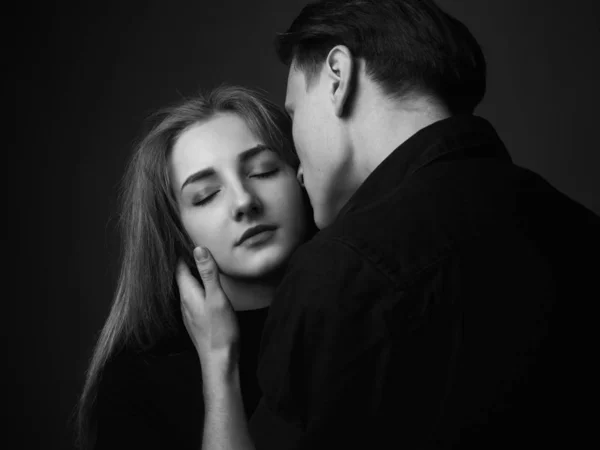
[(200, 253)]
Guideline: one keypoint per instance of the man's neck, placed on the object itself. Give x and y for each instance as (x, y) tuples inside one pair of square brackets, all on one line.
[(381, 125)]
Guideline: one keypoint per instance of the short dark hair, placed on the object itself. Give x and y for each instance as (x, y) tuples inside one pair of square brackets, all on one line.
[(406, 44)]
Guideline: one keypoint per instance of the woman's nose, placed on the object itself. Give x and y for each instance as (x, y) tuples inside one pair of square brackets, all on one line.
[(245, 203)]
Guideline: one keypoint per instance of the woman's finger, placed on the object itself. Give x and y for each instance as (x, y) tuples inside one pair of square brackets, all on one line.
[(208, 270), (189, 288)]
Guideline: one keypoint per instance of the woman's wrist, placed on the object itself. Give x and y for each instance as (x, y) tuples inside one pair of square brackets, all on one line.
[(220, 367), (220, 380)]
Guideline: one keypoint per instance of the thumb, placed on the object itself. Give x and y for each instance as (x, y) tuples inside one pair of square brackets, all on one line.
[(208, 270)]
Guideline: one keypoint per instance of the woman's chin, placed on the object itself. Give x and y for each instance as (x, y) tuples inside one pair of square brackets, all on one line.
[(262, 264)]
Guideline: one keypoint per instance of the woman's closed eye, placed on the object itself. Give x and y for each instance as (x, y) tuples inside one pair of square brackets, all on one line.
[(265, 173), (204, 199)]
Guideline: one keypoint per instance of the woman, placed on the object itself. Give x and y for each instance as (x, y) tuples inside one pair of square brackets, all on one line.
[(216, 171)]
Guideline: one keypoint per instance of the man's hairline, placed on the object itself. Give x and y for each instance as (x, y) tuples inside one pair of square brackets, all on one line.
[(310, 78)]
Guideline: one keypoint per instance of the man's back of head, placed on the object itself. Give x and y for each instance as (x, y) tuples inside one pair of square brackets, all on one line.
[(366, 75), (407, 45)]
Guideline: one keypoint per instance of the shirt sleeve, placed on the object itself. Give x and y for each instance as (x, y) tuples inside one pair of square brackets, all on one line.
[(325, 354)]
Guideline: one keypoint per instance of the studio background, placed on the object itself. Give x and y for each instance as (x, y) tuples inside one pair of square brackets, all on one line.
[(86, 77)]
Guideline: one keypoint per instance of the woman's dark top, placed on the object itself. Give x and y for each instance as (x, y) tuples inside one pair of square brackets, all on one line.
[(153, 399)]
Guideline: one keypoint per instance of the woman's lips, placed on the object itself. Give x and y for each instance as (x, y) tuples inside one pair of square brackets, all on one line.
[(255, 232), (259, 238)]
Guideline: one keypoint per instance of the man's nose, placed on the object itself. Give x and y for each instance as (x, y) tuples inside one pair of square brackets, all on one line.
[(245, 203), (300, 176)]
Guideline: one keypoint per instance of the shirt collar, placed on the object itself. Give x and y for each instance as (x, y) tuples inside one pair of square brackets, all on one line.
[(440, 139)]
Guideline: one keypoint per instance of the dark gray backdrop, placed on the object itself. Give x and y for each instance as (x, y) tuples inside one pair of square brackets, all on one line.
[(87, 76)]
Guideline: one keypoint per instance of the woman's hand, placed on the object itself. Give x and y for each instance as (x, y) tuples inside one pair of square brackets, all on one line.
[(208, 316)]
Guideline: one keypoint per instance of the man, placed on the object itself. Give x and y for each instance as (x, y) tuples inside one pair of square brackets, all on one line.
[(436, 306)]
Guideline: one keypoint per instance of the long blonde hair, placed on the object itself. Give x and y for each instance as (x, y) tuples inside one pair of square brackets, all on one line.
[(145, 308)]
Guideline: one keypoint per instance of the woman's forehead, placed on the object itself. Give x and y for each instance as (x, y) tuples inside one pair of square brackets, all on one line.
[(220, 143), (223, 136)]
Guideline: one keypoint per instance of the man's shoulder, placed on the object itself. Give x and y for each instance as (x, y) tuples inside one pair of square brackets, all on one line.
[(327, 247), (442, 209), (329, 269)]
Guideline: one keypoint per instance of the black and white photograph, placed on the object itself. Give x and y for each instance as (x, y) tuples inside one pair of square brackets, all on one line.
[(302, 225)]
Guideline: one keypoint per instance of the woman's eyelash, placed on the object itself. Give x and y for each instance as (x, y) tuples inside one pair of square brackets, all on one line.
[(204, 200), (268, 174), (208, 198)]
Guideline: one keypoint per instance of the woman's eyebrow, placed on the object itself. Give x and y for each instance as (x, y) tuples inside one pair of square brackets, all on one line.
[(252, 152), (209, 172), (197, 176)]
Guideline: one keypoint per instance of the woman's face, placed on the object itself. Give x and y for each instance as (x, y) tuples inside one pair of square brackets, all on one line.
[(227, 182)]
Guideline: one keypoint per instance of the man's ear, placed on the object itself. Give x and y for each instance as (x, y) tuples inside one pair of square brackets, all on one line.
[(339, 67)]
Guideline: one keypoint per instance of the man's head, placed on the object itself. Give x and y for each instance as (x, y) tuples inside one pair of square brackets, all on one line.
[(401, 48)]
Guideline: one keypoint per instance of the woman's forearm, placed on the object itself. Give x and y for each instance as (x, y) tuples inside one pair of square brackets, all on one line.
[(225, 425)]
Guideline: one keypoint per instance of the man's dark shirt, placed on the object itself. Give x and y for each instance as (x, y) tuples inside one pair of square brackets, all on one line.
[(448, 305)]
